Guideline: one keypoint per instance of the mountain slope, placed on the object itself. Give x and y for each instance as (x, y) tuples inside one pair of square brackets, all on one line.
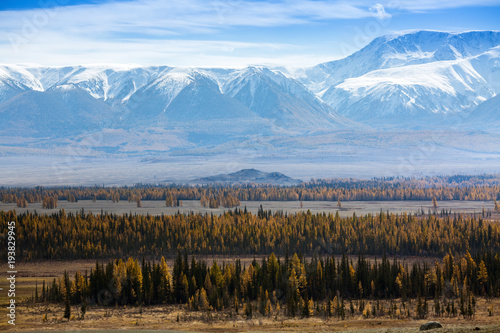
[(411, 78), (486, 116), (419, 47), (58, 112), (284, 101), (411, 92)]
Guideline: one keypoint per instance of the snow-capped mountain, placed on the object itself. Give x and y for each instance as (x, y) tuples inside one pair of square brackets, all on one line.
[(15, 80), (414, 48), (259, 100), (410, 77), (399, 81), (411, 92)]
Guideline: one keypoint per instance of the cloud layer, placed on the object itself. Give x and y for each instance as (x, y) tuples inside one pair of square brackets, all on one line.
[(154, 31)]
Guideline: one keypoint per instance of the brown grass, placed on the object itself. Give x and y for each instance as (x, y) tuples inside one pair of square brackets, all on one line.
[(165, 318)]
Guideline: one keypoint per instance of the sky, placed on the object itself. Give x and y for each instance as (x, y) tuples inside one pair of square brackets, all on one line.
[(218, 33)]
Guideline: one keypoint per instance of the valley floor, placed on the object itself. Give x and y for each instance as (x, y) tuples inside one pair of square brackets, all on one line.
[(131, 319), (157, 207)]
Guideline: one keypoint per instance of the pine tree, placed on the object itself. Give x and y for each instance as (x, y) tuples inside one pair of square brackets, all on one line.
[(308, 309), (434, 203), (482, 276), (265, 304), (67, 310), (248, 309), (420, 311), (342, 310), (329, 308), (83, 310), (44, 295), (437, 307), (203, 300)]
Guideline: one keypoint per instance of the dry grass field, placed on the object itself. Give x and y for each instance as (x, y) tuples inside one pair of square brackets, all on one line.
[(175, 318), (157, 207)]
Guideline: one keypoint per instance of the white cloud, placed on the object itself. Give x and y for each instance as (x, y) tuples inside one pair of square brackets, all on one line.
[(380, 12), (429, 5), (156, 17), (56, 50), (179, 31), (155, 31)]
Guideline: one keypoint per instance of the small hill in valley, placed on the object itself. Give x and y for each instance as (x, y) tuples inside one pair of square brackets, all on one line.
[(247, 176)]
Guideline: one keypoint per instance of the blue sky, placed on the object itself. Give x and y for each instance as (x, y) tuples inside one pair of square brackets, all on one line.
[(218, 33)]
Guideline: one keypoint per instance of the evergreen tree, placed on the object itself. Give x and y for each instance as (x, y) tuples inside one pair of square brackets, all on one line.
[(67, 311), (83, 310)]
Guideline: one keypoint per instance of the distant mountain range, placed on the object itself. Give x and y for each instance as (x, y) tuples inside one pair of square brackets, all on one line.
[(416, 81), (249, 176), (395, 80)]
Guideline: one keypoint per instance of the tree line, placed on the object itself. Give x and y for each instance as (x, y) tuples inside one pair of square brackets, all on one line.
[(298, 286), (486, 188), (64, 235)]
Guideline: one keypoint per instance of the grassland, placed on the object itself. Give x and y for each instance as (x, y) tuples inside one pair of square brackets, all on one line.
[(157, 207)]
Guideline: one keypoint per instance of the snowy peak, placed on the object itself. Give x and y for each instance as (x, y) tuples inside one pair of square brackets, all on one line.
[(101, 82), (15, 80), (411, 77), (155, 98), (428, 46), (201, 99), (391, 51), (19, 76), (439, 88)]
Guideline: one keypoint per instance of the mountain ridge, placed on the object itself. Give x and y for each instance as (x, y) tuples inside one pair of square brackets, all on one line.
[(401, 81), (350, 84)]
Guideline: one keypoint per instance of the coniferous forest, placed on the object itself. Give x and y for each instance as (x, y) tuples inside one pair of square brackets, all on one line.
[(321, 285), (238, 232)]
